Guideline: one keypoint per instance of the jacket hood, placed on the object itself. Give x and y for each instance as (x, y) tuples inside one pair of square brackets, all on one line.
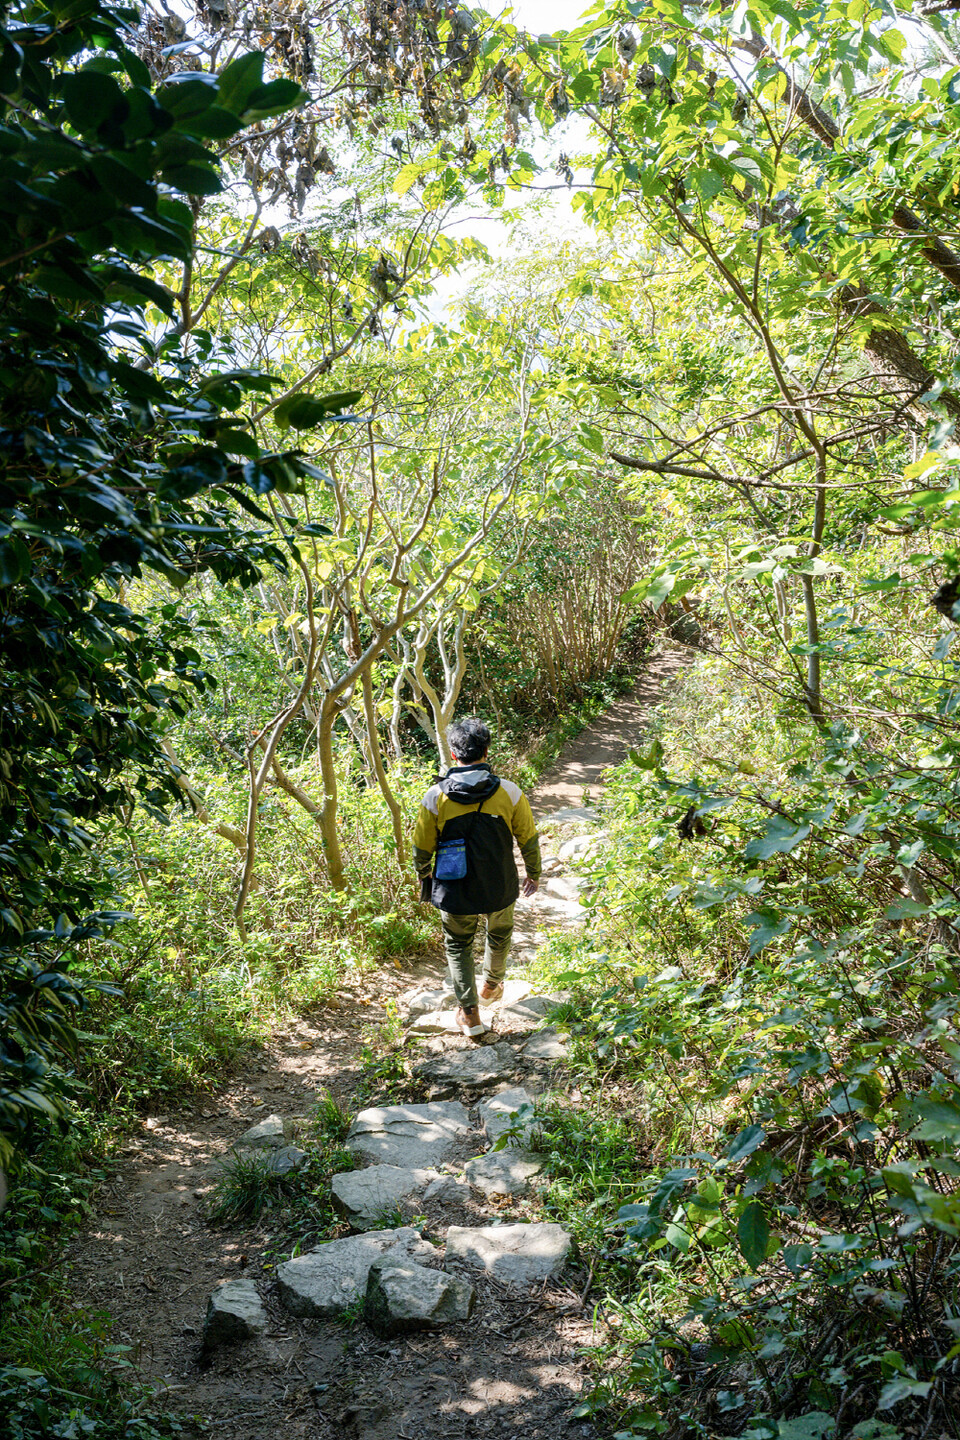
[(469, 784)]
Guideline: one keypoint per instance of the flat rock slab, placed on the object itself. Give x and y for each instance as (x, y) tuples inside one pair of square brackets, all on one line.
[(514, 989), (423, 1002), (516, 1255), (327, 1280), (550, 908), (409, 1136), (276, 1162), (435, 1022), (402, 1297), (235, 1312), (270, 1134), (581, 845), (562, 888), (570, 813), (546, 1045), (446, 1190), (476, 1067), (364, 1197), (499, 1112), (528, 1013), (504, 1172)]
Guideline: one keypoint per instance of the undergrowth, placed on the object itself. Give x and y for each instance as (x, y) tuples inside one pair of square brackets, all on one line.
[(763, 1170)]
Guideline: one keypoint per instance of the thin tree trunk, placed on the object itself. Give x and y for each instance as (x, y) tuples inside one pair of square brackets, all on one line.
[(396, 814), (328, 815), (198, 805)]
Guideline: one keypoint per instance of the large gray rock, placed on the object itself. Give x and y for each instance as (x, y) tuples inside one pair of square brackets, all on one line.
[(269, 1134), (563, 887), (504, 1172), (365, 1197), (408, 1135), (514, 988), (527, 1014), (546, 1045), (435, 1022), (500, 1112), (446, 1190), (327, 1280), (516, 1255), (402, 1297), (276, 1162), (571, 813), (582, 845), (474, 1068), (561, 912), (422, 1002), (235, 1312)]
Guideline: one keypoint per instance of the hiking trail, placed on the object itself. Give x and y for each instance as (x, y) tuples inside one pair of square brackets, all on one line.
[(286, 1350)]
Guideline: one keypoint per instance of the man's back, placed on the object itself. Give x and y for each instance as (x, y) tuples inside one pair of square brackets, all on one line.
[(473, 804)]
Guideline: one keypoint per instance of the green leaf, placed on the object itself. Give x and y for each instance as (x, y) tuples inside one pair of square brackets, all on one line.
[(753, 1234), (194, 179), (14, 560), (939, 1119), (781, 838), (746, 1142), (90, 99), (906, 910), (812, 1426), (406, 177), (902, 1389), (797, 1257), (214, 123), (273, 99), (188, 97), (302, 412), (240, 80)]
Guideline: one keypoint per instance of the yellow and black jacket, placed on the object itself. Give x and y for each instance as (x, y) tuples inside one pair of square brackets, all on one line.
[(472, 803)]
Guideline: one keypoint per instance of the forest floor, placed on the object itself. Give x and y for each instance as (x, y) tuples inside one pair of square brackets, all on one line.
[(151, 1261)]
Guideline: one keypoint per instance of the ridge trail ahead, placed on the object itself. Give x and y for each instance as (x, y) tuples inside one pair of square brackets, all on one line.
[(517, 1367)]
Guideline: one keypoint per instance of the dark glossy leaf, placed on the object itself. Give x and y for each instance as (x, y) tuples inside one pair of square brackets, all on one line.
[(90, 98), (753, 1234), (194, 179), (239, 81), (302, 412), (746, 1142), (273, 99)]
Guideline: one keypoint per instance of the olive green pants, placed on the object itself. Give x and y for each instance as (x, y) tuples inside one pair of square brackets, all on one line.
[(459, 932)]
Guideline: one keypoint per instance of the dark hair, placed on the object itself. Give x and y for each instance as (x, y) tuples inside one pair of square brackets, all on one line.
[(469, 739)]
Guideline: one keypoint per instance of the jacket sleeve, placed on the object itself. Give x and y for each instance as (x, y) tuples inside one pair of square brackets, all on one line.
[(424, 839), (525, 829)]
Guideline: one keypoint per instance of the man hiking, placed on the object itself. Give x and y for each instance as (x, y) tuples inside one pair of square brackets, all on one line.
[(463, 844)]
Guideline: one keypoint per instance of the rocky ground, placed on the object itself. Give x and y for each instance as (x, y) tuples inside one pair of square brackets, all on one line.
[(476, 1320)]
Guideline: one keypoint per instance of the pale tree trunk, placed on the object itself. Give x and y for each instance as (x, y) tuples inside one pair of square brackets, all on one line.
[(328, 771), (396, 814), (198, 804)]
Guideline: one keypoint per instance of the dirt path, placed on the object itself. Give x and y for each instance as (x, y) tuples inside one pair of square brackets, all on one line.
[(577, 775), (515, 1369)]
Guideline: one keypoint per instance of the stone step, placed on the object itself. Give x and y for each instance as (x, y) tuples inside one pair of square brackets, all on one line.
[(516, 1255), (499, 1112), (328, 1279), (409, 1136), (365, 1197), (402, 1297), (528, 1013), (504, 1172), (475, 1068), (270, 1134), (546, 1045), (235, 1313), (581, 846)]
